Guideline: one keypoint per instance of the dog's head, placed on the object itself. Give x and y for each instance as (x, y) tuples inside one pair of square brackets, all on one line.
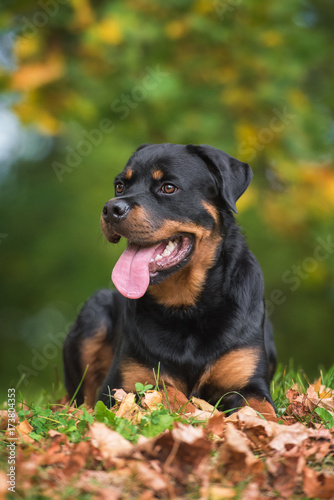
[(169, 204)]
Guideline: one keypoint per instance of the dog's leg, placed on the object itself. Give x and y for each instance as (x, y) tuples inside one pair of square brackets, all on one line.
[(91, 342), (238, 378), (270, 346)]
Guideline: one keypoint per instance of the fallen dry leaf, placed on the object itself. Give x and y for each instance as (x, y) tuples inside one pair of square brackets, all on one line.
[(236, 456), (318, 484), (252, 492), (150, 478), (119, 394), (3, 485), (323, 400), (129, 409), (151, 400), (285, 473), (245, 410), (3, 419), (109, 442), (216, 425), (187, 433), (23, 429), (77, 459), (176, 401), (288, 437), (181, 451), (203, 405), (217, 492)]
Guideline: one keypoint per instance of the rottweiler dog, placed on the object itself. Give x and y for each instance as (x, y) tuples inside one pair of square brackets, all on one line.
[(189, 301)]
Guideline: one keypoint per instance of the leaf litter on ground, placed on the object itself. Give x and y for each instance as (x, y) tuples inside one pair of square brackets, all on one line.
[(160, 445)]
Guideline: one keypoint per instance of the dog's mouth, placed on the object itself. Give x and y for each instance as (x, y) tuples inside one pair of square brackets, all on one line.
[(139, 266)]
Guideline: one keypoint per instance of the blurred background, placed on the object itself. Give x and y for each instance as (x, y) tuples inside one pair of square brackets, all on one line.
[(84, 83)]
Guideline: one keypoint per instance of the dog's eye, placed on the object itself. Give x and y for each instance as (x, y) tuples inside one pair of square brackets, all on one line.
[(168, 188), (119, 188)]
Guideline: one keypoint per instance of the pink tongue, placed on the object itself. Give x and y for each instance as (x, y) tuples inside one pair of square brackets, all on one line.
[(131, 274)]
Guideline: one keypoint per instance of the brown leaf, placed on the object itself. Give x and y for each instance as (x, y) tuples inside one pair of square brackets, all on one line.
[(285, 472), (176, 401), (150, 478), (203, 405), (217, 492), (151, 400), (245, 410), (119, 394), (292, 394), (3, 485), (182, 450), (318, 484), (3, 419), (23, 429), (109, 442), (252, 492), (324, 400), (129, 409), (288, 437), (216, 424), (236, 456), (187, 433), (101, 483), (78, 458)]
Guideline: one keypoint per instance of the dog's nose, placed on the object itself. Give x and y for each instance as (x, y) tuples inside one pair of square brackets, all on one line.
[(115, 210)]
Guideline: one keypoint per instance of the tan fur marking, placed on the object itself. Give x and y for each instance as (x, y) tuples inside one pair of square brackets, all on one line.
[(212, 211), (96, 353), (263, 407), (157, 175), (184, 287), (233, 370), (133, 372), (128, 174)]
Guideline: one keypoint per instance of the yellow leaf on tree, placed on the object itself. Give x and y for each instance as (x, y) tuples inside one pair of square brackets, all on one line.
[(176, 29), (30, 111), (84, 14), (204, 7), (109, 31), (248, 199), (31, 76), (271, 38), (27, 47)]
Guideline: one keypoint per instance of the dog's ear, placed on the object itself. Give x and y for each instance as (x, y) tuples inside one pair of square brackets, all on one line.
[(233, 176), (143, 146)]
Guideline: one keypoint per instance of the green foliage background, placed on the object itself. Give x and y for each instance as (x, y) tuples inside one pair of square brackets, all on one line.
[(252, 78)]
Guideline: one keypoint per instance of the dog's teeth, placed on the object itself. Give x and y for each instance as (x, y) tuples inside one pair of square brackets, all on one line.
[(167, 251), (169, 248)]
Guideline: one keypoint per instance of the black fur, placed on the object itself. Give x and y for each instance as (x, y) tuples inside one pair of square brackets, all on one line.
[(228, 313)]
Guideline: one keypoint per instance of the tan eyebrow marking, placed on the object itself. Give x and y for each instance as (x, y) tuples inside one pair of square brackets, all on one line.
[(157, 175), (128, 173)]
